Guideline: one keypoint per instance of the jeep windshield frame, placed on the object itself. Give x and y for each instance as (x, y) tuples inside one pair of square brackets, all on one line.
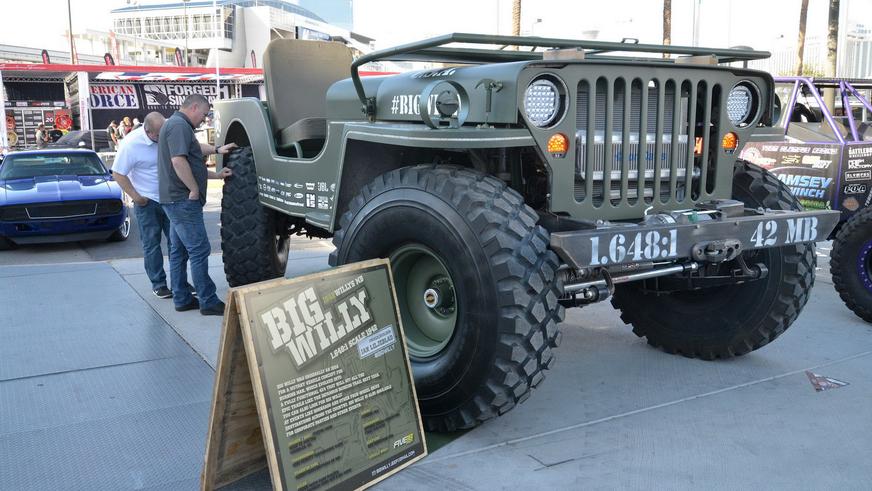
[(434, 50)]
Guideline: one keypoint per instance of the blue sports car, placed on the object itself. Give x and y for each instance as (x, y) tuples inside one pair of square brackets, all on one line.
[(59, 195)]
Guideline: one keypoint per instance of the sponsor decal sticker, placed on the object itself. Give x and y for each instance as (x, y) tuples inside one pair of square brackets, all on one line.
[(854, 152), (862, 175), (855, 189), (806, 186), (851, 204), (815, 162), (854, 164)]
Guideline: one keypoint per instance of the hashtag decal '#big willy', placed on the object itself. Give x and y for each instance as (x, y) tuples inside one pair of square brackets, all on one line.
[(410, 104)]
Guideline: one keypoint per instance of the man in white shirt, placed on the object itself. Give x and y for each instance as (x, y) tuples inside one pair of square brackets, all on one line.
[(135, 170)]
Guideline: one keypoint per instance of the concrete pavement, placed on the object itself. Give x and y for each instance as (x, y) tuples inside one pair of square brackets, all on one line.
[(104, 386)]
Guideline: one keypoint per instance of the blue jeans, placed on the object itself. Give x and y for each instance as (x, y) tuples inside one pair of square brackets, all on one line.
[(152, 223), (188, 241)]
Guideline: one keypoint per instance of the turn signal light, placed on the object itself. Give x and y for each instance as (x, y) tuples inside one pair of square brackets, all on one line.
[(730, 142), (558, 144)]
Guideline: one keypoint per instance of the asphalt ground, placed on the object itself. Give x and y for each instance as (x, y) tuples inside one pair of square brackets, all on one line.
[(104, 386)]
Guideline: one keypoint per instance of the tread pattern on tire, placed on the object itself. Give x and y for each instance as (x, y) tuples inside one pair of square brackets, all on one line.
[(524, 270), (798, 266), (246, 255), (842, 265)]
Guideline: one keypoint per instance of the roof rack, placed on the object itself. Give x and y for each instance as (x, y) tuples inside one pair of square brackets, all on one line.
[(433, 50)]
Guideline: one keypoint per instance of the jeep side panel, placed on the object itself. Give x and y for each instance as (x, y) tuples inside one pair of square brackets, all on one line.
[(298, 187), (309, 188)]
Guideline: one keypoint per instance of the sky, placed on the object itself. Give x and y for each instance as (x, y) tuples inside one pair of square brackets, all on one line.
[(761, 24)]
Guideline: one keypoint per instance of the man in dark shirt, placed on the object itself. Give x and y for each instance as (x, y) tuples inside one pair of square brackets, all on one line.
[(182, 180)]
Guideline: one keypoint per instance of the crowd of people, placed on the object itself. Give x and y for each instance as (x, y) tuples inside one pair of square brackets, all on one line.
[(118, 131), (162, 167)]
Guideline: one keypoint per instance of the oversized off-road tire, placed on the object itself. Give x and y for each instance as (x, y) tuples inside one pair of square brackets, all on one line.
[(476, 282), (851, 263), (254, 238), (726, 321)]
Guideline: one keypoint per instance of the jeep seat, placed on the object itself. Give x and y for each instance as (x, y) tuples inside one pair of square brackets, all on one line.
[(297, 74)]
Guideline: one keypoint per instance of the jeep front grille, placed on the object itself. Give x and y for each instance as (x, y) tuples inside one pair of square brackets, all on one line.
[(665, 119)]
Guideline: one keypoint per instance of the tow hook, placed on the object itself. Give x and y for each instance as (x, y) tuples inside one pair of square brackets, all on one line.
[(756, 271), (717, 251)]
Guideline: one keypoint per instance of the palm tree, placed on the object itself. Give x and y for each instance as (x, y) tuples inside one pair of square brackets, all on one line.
[(516, 19), (800, 43), (832, 49), (667, 24)]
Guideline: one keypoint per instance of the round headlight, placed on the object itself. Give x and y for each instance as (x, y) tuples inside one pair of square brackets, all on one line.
[(541, 102), (741, 103)]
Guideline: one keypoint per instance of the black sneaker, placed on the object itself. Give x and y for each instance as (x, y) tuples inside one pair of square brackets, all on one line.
[(217, 309), (163, 292), (193, 304)]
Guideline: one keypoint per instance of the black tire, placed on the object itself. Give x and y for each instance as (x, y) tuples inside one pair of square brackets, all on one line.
[(505, 284), (733, 320), (6, 244), (851, 263), (254, 239), (802, 114), (123, 232)]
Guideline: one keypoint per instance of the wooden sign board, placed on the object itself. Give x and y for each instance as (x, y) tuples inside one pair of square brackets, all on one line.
[(313, 382)]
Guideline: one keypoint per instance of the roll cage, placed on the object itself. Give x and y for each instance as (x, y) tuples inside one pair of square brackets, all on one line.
[(847, 88)]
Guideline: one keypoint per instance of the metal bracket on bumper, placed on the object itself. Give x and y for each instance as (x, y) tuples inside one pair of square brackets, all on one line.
[(707, 240)]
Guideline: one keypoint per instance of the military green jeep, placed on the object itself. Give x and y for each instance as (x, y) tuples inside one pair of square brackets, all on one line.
[(510, 184)]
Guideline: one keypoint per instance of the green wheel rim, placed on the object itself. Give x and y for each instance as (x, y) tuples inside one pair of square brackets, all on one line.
[(426, 297)]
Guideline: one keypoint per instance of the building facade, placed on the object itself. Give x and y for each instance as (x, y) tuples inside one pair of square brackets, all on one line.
[(227, 32)]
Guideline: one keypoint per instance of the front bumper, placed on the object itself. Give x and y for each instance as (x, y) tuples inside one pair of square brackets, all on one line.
[(62, 230), (706, 240)]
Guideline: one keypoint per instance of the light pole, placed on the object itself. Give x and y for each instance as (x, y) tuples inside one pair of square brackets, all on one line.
[(70, 23), (217, 40), (533, 27), (186, 31)]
